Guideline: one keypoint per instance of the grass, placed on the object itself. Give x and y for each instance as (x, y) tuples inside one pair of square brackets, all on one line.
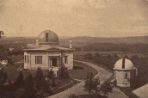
[(80, 71), (88, 96), (128, 92)]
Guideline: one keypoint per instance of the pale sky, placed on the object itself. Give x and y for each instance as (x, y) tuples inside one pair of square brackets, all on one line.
[(98, 18)]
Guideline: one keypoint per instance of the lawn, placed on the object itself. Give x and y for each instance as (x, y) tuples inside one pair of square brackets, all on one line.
[(88, 96), (80, 71)]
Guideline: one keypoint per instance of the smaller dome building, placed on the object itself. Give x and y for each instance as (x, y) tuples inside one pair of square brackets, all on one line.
[(125, 72)]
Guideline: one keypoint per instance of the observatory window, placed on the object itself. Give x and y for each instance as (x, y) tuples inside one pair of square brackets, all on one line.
[(126, 76), (46, 36), (65, 59), (26, 59), (53, 61), (38, 59)]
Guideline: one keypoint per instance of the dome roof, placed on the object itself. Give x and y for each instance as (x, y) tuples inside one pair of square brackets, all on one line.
[(48, 37), (124, 64)]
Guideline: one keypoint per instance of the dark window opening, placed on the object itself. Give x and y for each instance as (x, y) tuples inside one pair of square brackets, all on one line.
[(65, 60), (54, 62), (46, 37), (38, 59)]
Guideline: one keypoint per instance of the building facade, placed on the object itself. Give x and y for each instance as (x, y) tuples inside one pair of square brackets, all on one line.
[(46, 53)]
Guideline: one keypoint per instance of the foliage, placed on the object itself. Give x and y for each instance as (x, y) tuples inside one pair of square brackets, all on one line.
[(3, 76), (88, 56), (91, 83), (4, 53), (39, 79), (20, 79), (141, 63), (63, 73), (73, 96), (106, 88), (51, 74), (29, 90)]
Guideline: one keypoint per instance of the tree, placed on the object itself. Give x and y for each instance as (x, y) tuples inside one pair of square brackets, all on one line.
[(92, 84), (63, 73), (51, 74), (1, 33), (20, 79), (29, 90), (106, 88), (88, 56), (3, 76), (39, 79)]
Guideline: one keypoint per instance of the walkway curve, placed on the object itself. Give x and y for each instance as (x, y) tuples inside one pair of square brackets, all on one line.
[(78, 89)]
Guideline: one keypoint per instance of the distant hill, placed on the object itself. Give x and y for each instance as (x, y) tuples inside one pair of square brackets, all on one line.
[(137, 44), (80, 40), (91, 40)]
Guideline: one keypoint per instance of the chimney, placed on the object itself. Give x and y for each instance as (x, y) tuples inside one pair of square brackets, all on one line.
[(37, 42), (70, 44)]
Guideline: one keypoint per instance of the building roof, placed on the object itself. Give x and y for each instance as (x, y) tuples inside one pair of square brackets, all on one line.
[(142, 92), (47, 41), (124, 64), (49, 48), (48, 37)]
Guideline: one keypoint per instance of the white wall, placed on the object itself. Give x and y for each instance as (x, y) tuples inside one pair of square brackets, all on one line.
[(120, 78), (69, 64), (46, 61)]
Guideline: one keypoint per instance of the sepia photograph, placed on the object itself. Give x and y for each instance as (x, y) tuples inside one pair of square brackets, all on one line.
[(73, 48)]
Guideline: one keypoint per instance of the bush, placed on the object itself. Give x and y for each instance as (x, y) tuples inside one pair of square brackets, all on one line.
[(3, 76), (73, 96), (39, 79), (20, 79), (106, 88), (51, 74), (91, 83), (88, 56), (29, 90), (63, 73)]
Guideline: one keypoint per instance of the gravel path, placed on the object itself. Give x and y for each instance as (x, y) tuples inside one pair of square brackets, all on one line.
[(78, 89)]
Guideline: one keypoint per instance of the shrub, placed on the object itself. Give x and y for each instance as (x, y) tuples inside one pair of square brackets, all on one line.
[(29, 90), (3, 76), (39, 79), (91, 83), (73, 96), (20, 79), (63, 73), (51, 74), (106, 88), (88, 56)]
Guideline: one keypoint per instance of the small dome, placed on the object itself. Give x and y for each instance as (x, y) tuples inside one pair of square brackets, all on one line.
[(48, 37), (124, 64)]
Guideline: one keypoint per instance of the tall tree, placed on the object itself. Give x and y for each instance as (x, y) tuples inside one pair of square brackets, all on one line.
[(39, 79), (29, 90), (1, 33), (20, 79)]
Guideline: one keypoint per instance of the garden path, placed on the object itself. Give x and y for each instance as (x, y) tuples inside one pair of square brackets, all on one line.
[(78, 89)]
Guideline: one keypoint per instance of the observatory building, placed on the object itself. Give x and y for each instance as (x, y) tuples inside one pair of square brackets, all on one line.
[(125, 72), (46, 53)]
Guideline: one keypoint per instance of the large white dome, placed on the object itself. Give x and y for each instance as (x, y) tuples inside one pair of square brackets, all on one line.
[(124, 64)]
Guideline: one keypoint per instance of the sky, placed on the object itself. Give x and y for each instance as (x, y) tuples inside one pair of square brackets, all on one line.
[(96, 18)]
